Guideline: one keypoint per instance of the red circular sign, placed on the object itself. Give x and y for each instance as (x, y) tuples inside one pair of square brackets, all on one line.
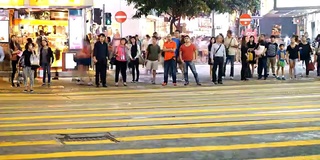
[(245, 19), (120, 16)]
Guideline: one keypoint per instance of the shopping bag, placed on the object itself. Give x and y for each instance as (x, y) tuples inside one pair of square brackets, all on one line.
[(34, 60), (310, 66)]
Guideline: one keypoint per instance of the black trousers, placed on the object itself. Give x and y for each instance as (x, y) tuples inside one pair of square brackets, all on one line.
[(14, 70), (306, 63), (135, 69), (101, 72), (262, 66), (244, 69), (121, 66), (217, 62)]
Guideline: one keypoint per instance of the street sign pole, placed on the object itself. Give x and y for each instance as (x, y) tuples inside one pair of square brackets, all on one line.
[(103, 18)]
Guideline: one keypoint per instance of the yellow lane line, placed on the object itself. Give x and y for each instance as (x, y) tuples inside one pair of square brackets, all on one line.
[(173, 104), (210, 88), (311, 157), (158, 95), (159, 150), (211, 117), (217, 102), (215, 110), (155, 127), (165, 137)]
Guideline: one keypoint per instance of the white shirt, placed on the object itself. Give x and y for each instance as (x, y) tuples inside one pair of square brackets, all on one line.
[(229, 42), (218, 53)]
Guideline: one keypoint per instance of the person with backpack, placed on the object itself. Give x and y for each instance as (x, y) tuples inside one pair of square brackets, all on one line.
[(272, 49), (153, 52)]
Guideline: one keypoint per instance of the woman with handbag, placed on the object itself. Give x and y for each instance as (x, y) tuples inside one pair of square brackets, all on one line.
[(121, 54), (15, 51), (29, 59)]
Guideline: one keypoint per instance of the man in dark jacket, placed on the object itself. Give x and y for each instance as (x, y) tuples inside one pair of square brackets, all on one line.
[(100, 55)]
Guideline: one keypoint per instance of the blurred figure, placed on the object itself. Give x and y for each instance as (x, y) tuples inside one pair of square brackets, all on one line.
[(2, 55), (84, 61)]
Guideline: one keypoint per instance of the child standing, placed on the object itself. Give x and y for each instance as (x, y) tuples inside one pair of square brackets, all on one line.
[(281, 59)]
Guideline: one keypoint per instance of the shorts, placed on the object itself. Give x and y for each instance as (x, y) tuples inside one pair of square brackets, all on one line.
[(281, 63), (84, 61), (152, 65)]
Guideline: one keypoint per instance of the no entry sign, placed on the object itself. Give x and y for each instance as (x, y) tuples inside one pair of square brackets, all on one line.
[(245, 19), (120, 16)]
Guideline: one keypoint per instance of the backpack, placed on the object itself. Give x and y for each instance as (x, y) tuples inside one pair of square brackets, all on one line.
[(271, 50)]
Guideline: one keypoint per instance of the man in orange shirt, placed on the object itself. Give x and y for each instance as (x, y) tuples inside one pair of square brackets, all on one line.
[(169, 48), (187, 55)]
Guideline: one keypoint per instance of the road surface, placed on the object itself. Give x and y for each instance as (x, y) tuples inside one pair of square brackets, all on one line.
[(237, 122)]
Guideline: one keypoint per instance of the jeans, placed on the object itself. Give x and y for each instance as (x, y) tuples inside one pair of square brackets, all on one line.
[(135, 69), (230, 58), (262, 66), (101, 72), (192, 66), (28, 73), (170, 66), (217, 62), (46, 70)]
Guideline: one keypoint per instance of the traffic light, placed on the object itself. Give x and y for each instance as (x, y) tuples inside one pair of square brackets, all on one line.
[(108, 18), (97, 17)]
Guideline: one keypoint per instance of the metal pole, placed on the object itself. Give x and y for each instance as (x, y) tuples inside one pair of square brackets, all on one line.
[(213, 26), (103, 17), (120, 23)]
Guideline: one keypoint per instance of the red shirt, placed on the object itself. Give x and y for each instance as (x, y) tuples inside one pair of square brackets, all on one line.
[(188, 52)]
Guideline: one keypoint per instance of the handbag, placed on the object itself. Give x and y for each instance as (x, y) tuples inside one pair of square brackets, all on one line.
[(250, 56), (34, 60), (310, 66)]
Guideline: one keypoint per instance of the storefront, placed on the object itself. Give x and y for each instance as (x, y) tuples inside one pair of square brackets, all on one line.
[(64, 23)]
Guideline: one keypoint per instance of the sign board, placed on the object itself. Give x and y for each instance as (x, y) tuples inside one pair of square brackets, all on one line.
[(245, 20), (11, 3), (120, 16), (56, 3)]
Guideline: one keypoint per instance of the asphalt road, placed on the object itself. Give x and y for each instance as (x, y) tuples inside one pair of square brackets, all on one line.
[(276, 121)]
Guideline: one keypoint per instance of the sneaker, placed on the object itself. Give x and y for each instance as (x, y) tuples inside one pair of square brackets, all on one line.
[(133, 81), (25, 91), (215, 83), (43, 84), (124, 84), (18, 85), (187, 83), (220, 83), (12, 85), (283, 78), (105, 86), (153, 82), (174, 84), (31, 91), (49, 84), (278, 78), (90, 83), (164, 84), (274, 75), (198, 84), (117, 84), (231, 78)]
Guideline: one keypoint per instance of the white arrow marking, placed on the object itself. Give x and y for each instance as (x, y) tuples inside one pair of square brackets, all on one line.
[(245, 19)]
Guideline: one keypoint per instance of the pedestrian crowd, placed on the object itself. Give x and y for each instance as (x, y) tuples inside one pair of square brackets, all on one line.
[(174, 52)]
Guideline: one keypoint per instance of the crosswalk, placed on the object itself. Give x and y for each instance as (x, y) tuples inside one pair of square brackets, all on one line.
[(256, 122)]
